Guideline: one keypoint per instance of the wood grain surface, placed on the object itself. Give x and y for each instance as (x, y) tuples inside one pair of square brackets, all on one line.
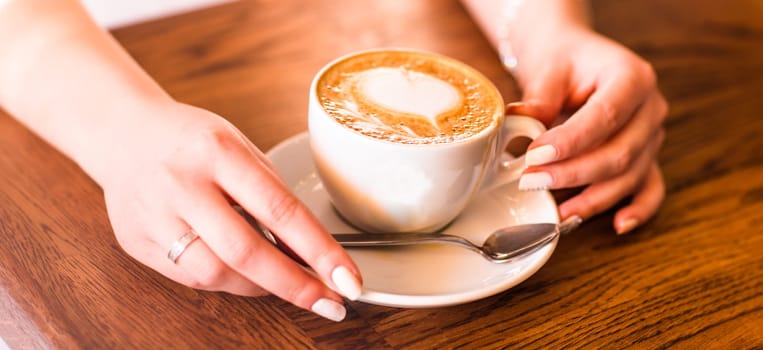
[(691, 278)]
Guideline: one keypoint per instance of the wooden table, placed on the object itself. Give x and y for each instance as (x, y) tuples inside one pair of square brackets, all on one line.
[(692, 277)]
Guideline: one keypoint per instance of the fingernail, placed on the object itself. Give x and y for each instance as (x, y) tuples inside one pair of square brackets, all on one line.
[(535, 181), (329, 309), (570, 223), (514, 107), (529, 107), (626, 226), (346, 283), (540, 155)]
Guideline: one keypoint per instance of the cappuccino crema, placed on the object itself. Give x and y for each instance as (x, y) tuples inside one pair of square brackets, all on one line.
[(409, 97)]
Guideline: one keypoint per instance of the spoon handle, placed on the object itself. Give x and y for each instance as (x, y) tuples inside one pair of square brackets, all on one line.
[(394, 239), (365, 239)]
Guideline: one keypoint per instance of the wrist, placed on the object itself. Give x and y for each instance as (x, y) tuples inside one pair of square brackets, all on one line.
[(73, 84), (530, 26), (127, 134)]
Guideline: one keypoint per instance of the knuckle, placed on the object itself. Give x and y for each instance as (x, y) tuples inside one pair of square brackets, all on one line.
[(566, 177), (569, 142), (302, 294), (213, 142), (588, 206), (283, 207), (573, 178), (622, 160), (608, 114), (662, 108), (324, 259), (647, 73), (661, 192), (239, 254), (633, 183), (659, 180), (210, 274), (634, 179), (216, 139)]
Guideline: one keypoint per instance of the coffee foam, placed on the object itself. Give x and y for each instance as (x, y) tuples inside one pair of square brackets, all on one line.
[(408, 97), (404, 91)]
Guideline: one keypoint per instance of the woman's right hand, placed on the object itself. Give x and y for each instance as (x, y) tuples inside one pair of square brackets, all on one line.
[(187, 178)]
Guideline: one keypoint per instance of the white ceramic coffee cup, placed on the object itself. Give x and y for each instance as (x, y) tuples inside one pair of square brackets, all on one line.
[(384, 186)]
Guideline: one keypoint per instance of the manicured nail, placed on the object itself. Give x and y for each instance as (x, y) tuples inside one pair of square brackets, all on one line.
[(535, 181), (626, 226), (540, 155), (346, 283), (514, 107), (571, 223), (329, 309)]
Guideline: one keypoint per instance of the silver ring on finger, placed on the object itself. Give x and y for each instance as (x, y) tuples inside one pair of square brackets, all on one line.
[(180, 245)]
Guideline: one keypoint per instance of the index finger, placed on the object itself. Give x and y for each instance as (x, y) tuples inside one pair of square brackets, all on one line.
[(268, 200), (606, 111), (231, 239)]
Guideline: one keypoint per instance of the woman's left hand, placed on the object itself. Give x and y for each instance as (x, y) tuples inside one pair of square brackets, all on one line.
[(610, 141)]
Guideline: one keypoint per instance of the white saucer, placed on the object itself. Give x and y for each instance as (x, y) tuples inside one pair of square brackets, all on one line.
[(429, 275)]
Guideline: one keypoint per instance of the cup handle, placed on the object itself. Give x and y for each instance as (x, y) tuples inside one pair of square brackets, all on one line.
[(509, 168)]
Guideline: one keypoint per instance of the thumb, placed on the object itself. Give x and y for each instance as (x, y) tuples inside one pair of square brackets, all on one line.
[(542, 97)]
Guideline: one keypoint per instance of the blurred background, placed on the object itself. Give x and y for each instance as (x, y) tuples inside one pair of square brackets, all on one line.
[(115, 14)]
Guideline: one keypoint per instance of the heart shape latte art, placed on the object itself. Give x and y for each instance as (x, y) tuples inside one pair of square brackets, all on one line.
[(409, 92)]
